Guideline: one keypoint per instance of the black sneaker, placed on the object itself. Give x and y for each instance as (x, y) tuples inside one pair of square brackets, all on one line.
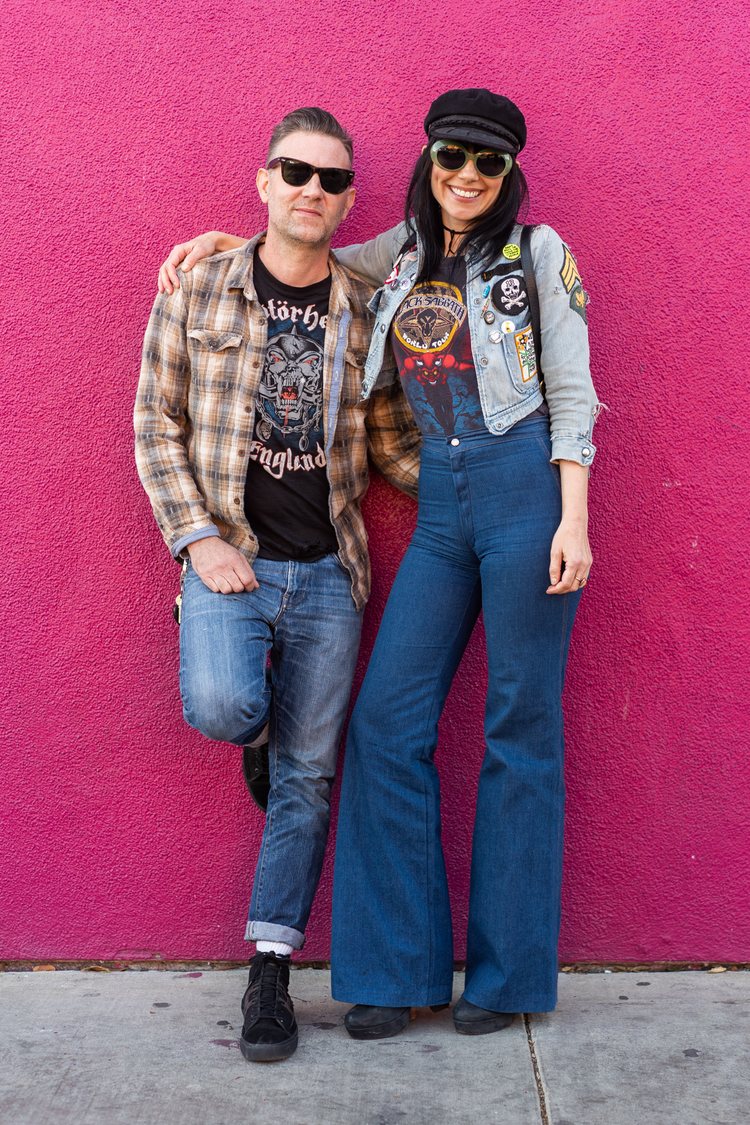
[(257, 774), (269, 1032)]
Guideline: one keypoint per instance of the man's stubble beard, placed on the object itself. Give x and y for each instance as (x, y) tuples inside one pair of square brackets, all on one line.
[(286, 234)]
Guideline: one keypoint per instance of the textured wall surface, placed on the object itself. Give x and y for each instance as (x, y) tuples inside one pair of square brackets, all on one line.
[(129, 126)]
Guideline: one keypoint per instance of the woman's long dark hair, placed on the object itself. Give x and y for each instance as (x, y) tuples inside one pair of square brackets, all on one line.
[(488, 235)]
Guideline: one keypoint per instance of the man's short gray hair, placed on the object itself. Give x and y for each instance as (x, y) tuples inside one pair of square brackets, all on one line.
[(311, 119)]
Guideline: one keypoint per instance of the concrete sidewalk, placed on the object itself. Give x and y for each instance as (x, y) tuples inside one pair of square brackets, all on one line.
[(140, 1048)]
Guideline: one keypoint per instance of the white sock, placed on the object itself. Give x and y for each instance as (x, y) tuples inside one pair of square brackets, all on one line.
[(278, 947)]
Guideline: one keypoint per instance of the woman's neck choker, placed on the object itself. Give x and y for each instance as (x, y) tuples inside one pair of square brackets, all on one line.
[(453, 234)]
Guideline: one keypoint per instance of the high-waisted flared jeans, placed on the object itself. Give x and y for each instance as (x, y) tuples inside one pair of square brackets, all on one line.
[(488, 509)]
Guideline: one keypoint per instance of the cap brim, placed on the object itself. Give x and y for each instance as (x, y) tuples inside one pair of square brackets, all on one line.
[(471, 134)]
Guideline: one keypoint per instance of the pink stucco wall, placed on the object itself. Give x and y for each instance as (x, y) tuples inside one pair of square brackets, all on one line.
[(128, 126)]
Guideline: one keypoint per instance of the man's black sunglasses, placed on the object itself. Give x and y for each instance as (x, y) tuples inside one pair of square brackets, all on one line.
[(296, 173)]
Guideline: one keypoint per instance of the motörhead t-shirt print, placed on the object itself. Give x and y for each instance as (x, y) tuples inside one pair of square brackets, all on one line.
[(432, 347), (286, 490)]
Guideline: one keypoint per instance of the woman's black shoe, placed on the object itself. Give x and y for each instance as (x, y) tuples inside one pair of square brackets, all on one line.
[(468, 1019), (367, 1021), (256, 773), (269, 1032)]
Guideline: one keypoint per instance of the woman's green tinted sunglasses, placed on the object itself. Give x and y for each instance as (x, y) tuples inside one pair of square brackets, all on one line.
[(451, 157)]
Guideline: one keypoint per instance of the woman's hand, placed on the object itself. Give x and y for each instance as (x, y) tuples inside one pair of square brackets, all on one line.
[(570, 555), (190, 253), (570, 558)]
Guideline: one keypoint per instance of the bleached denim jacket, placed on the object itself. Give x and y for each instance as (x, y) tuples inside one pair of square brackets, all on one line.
[(501, 337)]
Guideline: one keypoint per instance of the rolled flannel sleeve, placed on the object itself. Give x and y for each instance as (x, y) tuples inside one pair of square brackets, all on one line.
[(571, 398), (394, 441), (162, 426)]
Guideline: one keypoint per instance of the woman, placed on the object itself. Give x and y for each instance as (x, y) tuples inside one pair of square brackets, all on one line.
[(504, 474)]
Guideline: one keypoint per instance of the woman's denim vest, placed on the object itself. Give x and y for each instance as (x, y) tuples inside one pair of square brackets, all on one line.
[(500, 327)]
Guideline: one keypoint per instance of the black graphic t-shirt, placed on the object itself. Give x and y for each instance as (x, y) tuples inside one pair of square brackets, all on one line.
[(286, 490), (432, 346)]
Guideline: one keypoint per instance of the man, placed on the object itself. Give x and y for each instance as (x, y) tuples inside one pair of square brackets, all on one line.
[(252, 445)]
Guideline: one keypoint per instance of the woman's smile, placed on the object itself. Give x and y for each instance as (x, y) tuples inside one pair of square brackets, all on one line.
[(463, 196), (464, 193)]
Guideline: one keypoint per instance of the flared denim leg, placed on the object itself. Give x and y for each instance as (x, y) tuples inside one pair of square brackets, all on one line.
[(392, 937), (514, 904)]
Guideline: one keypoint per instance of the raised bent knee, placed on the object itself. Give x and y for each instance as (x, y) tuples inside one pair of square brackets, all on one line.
[(224, 718)]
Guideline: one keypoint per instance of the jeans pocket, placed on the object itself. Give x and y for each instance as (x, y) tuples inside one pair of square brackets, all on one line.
[(545, 444)]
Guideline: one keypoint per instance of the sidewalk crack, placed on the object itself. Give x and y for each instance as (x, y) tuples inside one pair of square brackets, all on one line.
[(544, 1115)]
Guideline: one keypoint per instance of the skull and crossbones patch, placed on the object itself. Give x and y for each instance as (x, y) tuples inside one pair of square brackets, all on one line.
[(510, 296)]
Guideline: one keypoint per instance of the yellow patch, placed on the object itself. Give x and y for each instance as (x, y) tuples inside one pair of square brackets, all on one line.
[(428, 319), (526, 354), (569, 272)]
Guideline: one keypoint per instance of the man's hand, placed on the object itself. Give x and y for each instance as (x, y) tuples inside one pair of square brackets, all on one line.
[(221, 567), (190, 253)]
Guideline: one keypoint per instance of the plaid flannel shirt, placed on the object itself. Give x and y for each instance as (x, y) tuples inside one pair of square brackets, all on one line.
[(203, 357)]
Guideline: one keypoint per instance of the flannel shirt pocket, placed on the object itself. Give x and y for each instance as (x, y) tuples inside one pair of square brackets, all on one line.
[(215, 358)]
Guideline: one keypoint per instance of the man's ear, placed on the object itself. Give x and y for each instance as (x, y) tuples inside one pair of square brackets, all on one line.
[(261, 183), (351, 195)]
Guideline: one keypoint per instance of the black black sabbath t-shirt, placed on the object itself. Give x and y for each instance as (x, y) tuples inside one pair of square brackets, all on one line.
[(286, 490)]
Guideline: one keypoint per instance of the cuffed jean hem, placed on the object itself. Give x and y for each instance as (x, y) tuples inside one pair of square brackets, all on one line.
[(269, 931)]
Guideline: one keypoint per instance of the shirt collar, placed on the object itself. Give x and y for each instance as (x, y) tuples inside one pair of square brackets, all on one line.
[(241, 276)]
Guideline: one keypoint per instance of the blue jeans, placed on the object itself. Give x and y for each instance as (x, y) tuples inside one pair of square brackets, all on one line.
[(303, 616), (488, 509)]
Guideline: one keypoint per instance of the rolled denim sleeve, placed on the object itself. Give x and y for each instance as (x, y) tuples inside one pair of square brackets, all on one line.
[(571, 398), (373, 260)]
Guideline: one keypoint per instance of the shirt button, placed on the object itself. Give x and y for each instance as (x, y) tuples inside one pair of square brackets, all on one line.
[(484, 361), (477, 300), (585, 451), (256, 363), (248, 409), (240, 452), (382, 328), (455, 441), (237, 500)]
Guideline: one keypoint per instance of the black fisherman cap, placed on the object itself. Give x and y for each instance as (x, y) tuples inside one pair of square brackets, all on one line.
[(477, 117)]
